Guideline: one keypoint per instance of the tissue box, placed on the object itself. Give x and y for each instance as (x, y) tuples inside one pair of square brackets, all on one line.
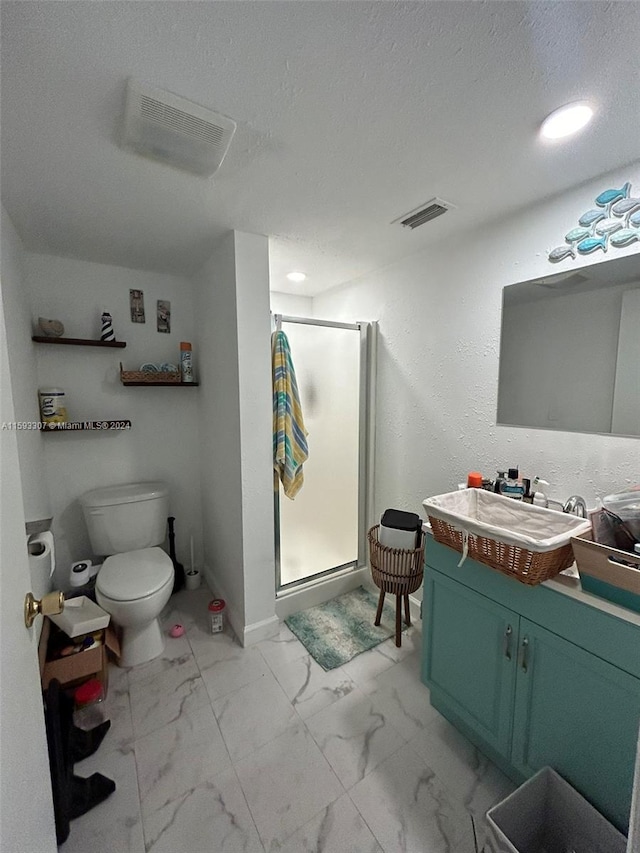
[(81, 616)]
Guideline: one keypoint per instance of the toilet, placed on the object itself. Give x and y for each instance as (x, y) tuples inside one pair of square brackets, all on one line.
[(126, 524)]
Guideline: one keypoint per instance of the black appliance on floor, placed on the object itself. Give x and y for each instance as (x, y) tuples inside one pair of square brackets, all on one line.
[(72, 795)]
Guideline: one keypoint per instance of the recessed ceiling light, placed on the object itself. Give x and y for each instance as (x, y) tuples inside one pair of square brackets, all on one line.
[(296, 276), (566, 120)]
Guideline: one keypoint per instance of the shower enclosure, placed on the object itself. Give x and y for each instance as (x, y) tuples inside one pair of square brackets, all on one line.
[(322, 530)]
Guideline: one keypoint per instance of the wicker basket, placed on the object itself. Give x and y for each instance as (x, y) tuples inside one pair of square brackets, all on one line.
[(395, 570), (148, 378), (526, 566)]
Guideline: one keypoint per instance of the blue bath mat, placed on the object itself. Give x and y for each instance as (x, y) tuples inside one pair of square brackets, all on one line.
[(342, 628)]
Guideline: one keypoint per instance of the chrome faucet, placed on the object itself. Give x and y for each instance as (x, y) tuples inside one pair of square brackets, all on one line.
[(576, 506)]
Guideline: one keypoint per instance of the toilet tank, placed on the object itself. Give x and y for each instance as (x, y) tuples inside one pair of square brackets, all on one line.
[(126, 518)]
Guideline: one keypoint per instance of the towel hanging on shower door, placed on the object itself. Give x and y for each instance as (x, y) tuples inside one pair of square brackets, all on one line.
[(289, 435)]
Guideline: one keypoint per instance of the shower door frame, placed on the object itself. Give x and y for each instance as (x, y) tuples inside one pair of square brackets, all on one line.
[(366, 435)]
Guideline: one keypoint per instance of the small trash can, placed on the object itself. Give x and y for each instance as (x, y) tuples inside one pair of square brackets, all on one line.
[(547, 815)]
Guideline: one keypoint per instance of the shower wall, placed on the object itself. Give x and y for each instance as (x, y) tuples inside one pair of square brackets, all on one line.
[(319, 529)]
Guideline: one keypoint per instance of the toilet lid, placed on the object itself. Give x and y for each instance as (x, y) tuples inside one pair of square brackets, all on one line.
[(136, 574)]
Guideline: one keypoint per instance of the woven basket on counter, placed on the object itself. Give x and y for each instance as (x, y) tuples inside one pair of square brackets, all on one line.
[(526, 566), (147, 377), (395, 570)]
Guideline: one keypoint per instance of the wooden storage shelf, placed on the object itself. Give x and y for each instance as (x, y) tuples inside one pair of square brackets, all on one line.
[(78, 342), (90, 426), (161, 384), (148, 380)]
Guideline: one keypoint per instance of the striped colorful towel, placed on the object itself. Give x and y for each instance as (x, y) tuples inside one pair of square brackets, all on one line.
[(289, 435)]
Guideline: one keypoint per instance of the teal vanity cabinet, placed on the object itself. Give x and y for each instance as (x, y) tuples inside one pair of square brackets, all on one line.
[(534, 677), (468, 662)]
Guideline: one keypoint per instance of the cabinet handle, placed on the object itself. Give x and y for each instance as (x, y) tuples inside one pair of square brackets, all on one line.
[(507, 642), (524, 663)]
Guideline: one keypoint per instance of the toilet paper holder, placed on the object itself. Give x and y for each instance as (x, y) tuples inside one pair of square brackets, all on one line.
[(49, 605)]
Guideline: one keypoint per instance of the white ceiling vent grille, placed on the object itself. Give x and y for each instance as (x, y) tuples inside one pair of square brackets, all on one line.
[(425, 213), (174, 130)]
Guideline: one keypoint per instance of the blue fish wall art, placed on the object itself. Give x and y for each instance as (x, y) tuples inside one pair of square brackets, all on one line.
[(577, 234), (608, 226), (592, 244), (609, 196), (625, 237), (559, 254), (615, 221), (590, 217), (621, 208)]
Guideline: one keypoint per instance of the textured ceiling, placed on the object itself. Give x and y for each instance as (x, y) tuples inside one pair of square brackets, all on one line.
[(349, 115)]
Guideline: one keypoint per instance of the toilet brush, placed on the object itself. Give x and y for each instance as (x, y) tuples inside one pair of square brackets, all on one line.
[(179, 579)]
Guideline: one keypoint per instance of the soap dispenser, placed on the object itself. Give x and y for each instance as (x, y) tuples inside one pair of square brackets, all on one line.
[(539, 492)]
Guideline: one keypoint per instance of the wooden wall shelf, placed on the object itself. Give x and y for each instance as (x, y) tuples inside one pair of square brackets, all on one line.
[(78, 342), (89, 426), (161, 384)]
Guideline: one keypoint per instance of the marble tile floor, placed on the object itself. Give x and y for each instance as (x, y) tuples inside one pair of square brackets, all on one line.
[(217, 749)]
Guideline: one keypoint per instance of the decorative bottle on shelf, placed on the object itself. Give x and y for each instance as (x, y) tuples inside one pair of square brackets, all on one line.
[(186, 365), (106, 332)]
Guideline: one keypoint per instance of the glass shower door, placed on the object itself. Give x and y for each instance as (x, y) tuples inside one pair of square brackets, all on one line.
[(319, 529)]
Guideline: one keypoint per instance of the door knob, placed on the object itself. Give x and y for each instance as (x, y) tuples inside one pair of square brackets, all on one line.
[(49, 605)]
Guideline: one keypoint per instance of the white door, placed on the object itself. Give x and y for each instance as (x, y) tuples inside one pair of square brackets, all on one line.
[(26, 808)]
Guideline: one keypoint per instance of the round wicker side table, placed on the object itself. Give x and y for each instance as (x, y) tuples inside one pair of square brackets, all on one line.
[(397, 571)]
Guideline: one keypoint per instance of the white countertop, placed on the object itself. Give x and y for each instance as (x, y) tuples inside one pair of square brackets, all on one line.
[(568, 583)]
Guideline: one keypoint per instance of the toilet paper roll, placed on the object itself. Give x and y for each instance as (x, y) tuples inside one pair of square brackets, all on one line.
[(80, 573), (42, 559)]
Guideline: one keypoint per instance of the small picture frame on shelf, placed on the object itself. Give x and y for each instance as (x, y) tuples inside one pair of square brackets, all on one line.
[(163, 313), (136, 303)]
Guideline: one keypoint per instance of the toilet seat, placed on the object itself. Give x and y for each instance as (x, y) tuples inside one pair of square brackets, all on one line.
[(134, 574)]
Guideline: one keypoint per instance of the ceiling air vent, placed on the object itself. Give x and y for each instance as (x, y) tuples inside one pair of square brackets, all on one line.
[(174, 130), (425, 213)]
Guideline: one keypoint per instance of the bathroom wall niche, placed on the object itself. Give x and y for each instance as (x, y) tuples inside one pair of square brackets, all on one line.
[(570, 350)]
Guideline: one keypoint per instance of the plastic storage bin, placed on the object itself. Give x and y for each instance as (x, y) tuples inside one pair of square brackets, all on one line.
[(399, 529), (547, 815), (89, 700), (608, 572)]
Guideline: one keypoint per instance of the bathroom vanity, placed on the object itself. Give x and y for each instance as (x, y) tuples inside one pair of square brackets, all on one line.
[(535, 675)]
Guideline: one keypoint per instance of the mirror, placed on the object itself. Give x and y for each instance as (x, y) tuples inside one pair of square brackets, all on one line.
[(570, 350)]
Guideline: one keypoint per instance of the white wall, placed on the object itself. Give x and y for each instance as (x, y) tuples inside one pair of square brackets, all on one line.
[(22, 364), (291, 304), (256, 424), (219, 428), (232, 305), (162, 443), (439, 315)]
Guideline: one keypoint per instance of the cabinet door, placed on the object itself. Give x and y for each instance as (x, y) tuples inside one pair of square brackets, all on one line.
[(470, 648), (578, 714)]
